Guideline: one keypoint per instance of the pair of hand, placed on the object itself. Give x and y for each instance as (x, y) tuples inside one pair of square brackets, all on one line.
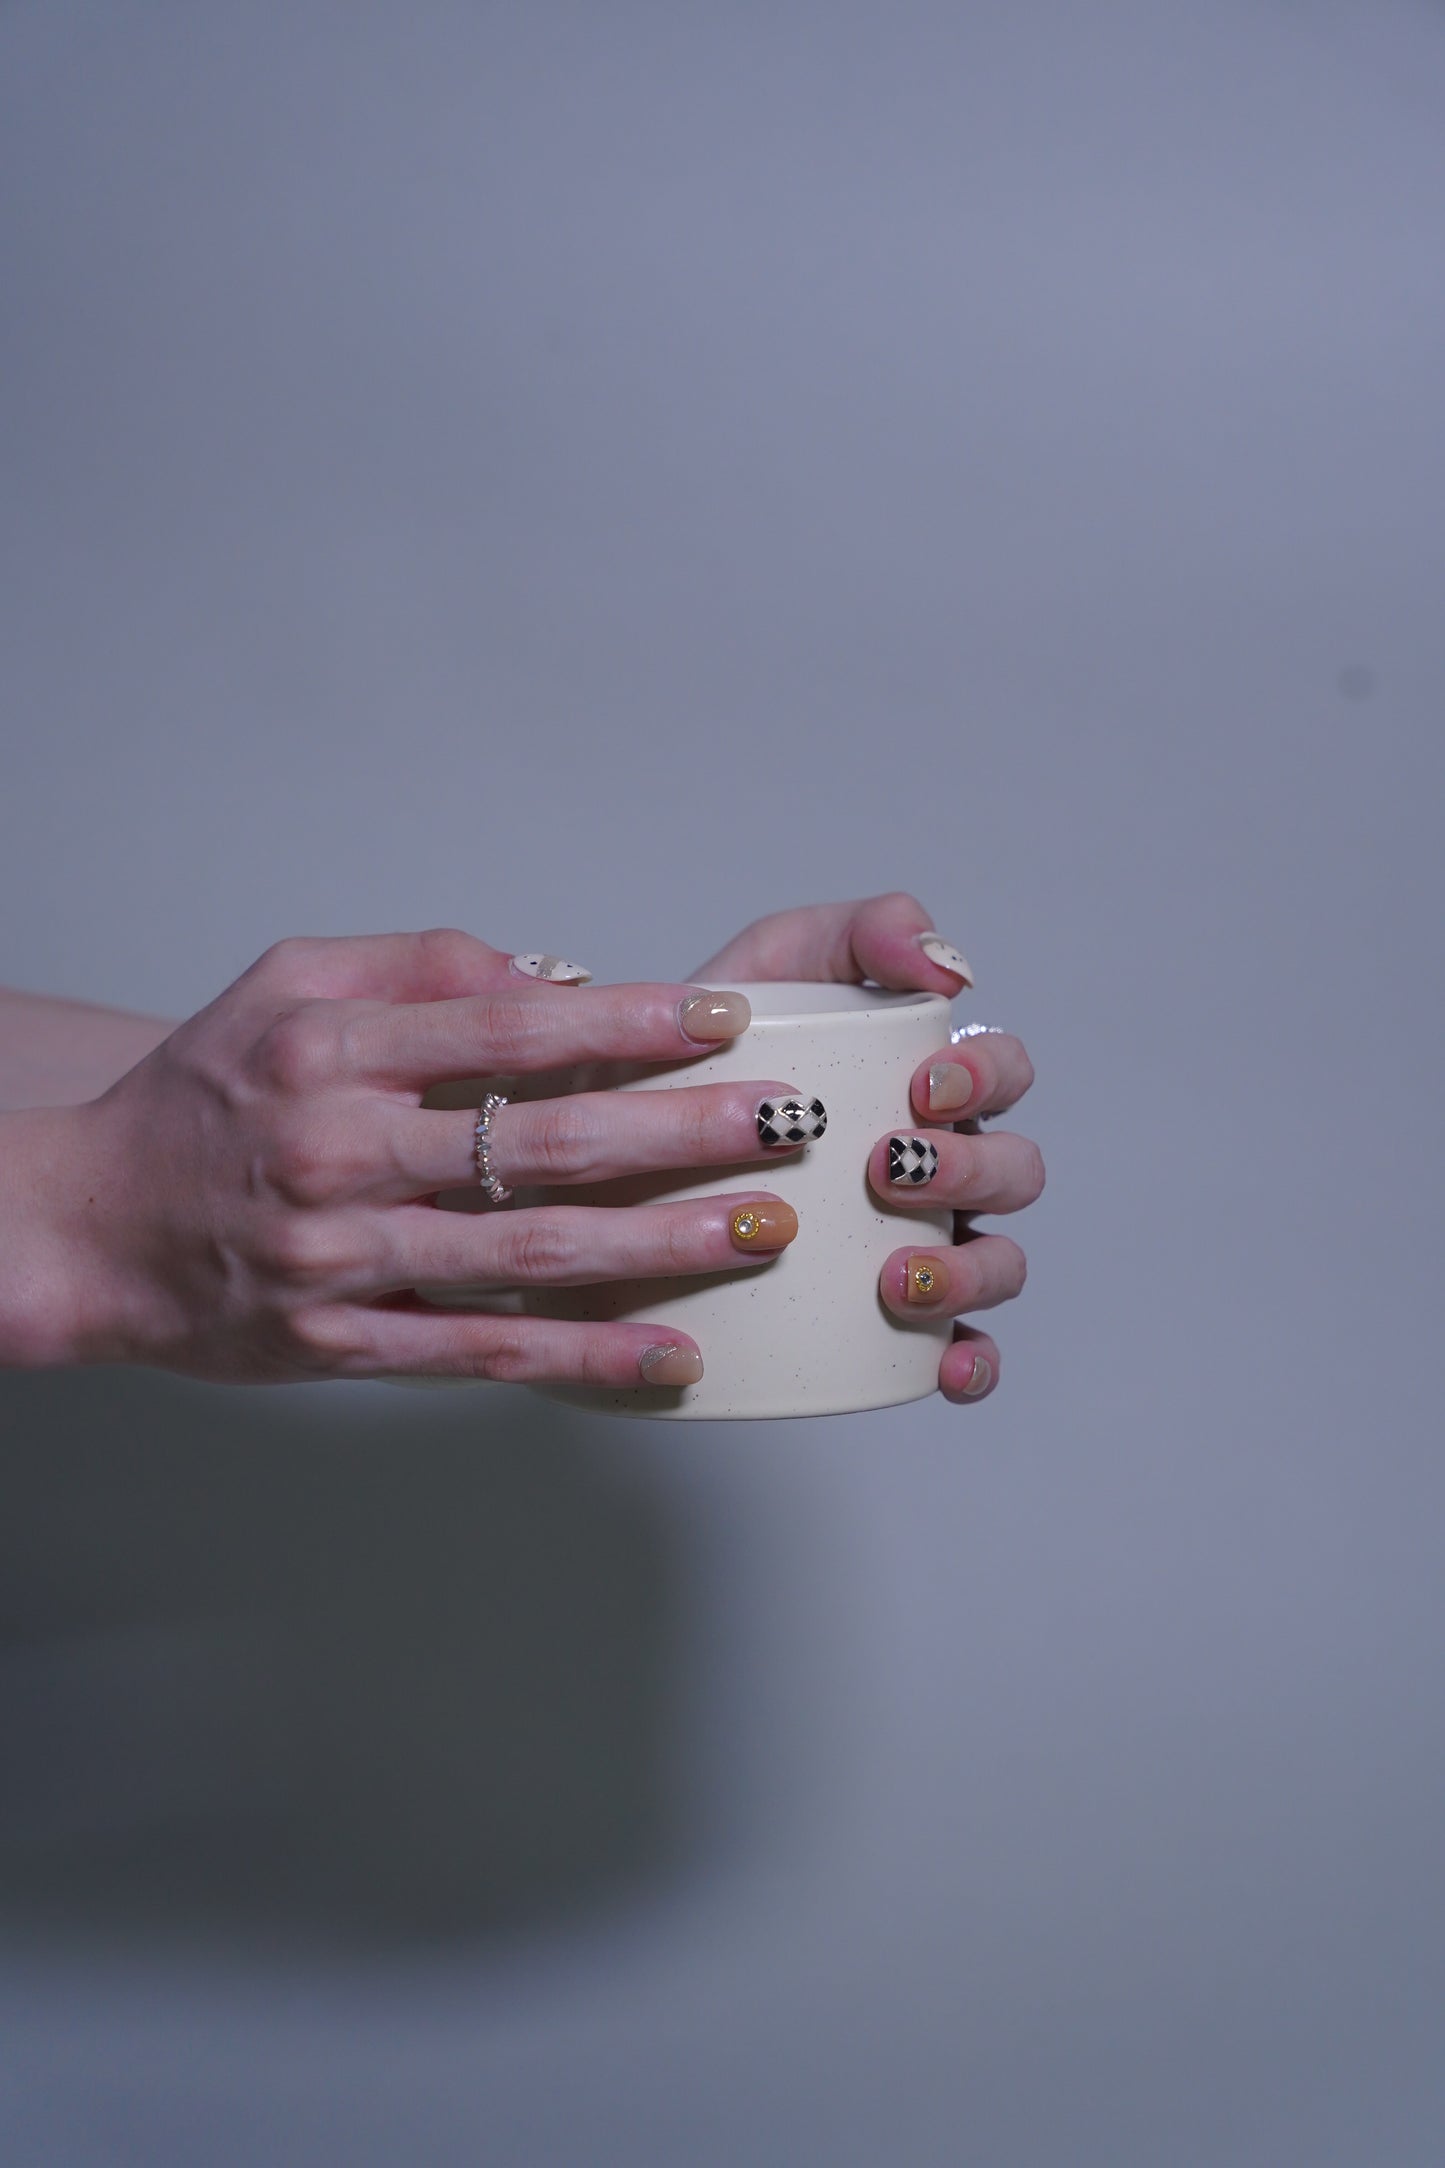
[(255, 1200)]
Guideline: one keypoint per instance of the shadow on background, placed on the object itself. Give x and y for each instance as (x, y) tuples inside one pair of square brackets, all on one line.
[(398, 1676)]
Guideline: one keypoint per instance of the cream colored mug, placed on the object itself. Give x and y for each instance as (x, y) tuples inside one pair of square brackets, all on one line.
[(808, 1333)]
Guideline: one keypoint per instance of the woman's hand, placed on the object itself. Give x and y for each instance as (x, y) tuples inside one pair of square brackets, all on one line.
[(891, 940), (254, 1199)]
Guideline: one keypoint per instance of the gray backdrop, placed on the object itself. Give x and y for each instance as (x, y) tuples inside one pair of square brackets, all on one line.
[(594, 474)]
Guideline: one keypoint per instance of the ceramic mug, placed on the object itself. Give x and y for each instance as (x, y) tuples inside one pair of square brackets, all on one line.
[(808, 1333)]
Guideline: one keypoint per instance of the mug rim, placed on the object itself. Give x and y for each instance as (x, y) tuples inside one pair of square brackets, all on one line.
[(873, 1000)]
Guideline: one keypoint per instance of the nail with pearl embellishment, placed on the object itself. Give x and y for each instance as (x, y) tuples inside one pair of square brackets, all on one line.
[(945, 955), (556, 969)]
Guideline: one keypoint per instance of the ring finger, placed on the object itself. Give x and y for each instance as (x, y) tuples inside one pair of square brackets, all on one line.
[(576, 1245)]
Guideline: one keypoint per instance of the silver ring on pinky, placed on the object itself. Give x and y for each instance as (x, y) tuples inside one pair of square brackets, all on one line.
[(493, 1190)]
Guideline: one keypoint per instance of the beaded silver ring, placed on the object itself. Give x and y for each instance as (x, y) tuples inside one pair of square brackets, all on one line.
[(493, 1189)]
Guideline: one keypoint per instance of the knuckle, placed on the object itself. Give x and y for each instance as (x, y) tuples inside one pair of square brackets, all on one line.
[(674, 1243), (302, 1169), (565, 1137), (502, 1358), (539, 1245), (301, 1251), (298, 1049), (329, 1338), (513, 1028), (452, 953)]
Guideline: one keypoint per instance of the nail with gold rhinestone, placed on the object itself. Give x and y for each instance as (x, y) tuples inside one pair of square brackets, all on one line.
[(926, 1280), (767, 1226)]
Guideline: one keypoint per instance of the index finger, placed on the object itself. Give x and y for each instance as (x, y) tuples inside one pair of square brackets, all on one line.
[(417, 1044)]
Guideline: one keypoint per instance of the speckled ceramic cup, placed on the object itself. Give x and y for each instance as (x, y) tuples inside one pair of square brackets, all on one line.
[(807, 1334)]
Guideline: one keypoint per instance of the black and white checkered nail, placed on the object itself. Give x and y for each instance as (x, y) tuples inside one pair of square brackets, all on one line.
[(791, 1121), (912, 1161)]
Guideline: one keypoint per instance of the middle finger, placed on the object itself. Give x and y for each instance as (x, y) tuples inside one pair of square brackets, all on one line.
[(997, 1172), (596, 1136)]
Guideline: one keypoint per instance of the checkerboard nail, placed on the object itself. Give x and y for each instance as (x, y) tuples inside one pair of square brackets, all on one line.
[(791, 1121), (912, 1161)]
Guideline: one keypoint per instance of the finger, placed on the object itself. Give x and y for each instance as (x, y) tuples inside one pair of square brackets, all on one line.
[(890, 939), (976, 1275), (410, 1339), (535, 1026), (969, 1370), (437, 965), (596, 1136), (578, 1245), (997, 1172), (983, 1075)]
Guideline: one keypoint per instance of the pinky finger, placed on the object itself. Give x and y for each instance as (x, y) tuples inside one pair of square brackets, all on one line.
[(969, 1370), (414, 1340)]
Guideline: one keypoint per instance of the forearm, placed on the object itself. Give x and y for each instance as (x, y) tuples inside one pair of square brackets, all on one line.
[(57, 1053)]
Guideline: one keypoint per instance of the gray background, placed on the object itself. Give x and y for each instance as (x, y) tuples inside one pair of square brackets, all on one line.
[(594, 474)]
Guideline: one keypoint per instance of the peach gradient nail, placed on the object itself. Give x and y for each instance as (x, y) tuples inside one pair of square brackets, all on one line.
[(669, 1364), (714, 1016), (769, 1225)]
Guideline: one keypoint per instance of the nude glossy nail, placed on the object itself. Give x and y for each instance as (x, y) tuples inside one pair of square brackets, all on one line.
[(556, 969), (926, 1280), (714, 1016), (945, 955), (766, 1226), (982, 1377), (669, 1364), (950, 1086)]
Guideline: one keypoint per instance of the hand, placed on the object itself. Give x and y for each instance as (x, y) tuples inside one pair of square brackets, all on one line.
[(890, 939), (254, 1200)]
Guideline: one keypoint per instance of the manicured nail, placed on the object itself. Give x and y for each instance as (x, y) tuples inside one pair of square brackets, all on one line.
[(982, 1377), (950, 1086), (555, 968), (945, 955), (766, 1226), (912, 1161), (927, 1279), (670, 1364), (787, 1122), (714, 1016)]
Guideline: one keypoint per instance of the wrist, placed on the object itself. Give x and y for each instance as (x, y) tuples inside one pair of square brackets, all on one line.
[(55, 1304)]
